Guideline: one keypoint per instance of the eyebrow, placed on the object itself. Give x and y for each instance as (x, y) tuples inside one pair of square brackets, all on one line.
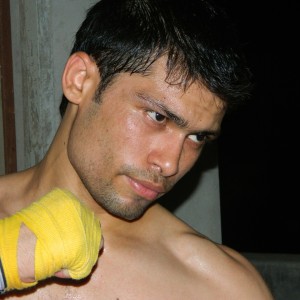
[(179, 121)]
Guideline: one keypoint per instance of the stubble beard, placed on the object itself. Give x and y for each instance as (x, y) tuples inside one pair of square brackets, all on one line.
[(105, 194), (112, 202)]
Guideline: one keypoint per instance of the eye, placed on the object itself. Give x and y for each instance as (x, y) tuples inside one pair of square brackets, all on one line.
[(157, 117), (198, 138)]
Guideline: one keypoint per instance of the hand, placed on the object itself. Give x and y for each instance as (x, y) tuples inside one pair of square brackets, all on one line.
[(65, 234), (26, 246)]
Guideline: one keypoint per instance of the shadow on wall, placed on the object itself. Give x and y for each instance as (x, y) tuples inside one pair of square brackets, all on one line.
[(188, 184)]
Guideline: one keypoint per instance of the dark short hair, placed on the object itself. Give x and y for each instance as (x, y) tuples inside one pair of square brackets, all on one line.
[(197, 37)]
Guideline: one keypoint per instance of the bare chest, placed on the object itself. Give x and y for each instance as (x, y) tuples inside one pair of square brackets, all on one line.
[(123, 278)]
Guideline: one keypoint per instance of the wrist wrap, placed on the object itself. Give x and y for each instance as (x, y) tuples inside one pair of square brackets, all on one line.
[(68, 237)]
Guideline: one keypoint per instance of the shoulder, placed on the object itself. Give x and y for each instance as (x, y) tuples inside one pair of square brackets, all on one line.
[(14, 195), (227, 271), (219, 271)]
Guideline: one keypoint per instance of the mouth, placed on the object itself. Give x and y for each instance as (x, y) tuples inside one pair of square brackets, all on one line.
[(145, 189)]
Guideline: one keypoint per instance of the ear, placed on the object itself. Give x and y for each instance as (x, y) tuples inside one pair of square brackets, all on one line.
[(80, 77)]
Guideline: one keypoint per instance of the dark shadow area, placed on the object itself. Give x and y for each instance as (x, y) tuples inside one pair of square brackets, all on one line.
[(259, 152), (186, 186)]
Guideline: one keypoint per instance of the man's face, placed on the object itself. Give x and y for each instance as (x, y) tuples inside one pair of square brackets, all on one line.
[(141, 139)]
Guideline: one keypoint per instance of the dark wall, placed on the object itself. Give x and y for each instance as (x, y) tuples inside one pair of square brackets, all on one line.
[(259, 148)]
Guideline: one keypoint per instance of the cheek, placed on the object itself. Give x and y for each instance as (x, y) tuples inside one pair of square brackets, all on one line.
[(131, 140), (92, 159), (77, 149), (83, 146)]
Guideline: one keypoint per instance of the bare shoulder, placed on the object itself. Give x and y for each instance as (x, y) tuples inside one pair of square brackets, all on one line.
[(227, 270), (221, 272), (13, 193)]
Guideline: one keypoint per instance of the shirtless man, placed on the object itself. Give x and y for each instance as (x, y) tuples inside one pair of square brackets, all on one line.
[(147, 85)]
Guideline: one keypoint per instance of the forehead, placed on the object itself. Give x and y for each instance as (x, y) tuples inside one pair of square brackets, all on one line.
[(195, 104), (171, 82)]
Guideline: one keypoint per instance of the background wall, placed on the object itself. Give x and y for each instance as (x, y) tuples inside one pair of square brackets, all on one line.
[(42, 35)]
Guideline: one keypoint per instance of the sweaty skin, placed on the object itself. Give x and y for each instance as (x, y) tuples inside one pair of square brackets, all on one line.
[(119, 157)]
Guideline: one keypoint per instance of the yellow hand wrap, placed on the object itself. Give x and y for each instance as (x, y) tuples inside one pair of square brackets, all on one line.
[(68, 237)]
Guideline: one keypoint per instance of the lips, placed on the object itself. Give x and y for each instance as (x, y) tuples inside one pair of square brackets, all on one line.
[(146, 189)]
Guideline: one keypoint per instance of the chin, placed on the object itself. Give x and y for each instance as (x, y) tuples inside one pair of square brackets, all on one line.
[(127, 212)]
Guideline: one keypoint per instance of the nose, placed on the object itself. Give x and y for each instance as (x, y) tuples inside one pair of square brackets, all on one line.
[(165, 156)]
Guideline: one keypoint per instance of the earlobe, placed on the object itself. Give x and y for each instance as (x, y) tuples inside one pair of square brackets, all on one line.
[(80, 74)]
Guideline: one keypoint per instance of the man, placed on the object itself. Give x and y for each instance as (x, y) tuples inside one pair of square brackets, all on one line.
[(147, 85)]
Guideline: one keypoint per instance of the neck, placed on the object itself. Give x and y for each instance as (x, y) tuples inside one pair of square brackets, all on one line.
[(55, 169)]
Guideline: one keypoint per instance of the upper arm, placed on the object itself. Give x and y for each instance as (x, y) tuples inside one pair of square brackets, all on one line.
[(241, 277), (223, 273)]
